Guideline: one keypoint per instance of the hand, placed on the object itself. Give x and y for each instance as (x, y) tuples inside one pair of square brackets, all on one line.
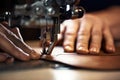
[(86, 35), (13, 46)]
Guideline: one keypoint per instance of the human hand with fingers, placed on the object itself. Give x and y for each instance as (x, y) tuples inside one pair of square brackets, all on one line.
[(13, 46), (86, 35)]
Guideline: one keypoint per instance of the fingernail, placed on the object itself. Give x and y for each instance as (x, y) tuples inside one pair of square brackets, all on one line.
[(94, 51), (68, 49), (110, 49), (82, 50), (34, 55)]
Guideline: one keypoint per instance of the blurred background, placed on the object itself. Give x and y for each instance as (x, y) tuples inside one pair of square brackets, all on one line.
[(32, 34)]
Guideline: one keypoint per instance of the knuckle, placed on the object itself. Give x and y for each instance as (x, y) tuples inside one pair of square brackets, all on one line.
[(83, 39), (70, 33), (70, 36), (97, 33), (83, 33)]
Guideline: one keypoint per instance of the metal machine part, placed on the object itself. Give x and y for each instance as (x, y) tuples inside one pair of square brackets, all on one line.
[(45, 15)]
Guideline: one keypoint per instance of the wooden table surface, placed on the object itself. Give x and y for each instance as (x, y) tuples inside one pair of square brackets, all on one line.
[(40, 70)]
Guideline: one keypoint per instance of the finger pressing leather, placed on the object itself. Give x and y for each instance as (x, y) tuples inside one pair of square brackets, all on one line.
[(70, 36), (109, 42), (19, 43), (83, 37), (96, 39), (33, 54), (12, 49)]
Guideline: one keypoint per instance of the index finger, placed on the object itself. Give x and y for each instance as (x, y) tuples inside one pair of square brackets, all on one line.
[(9, 47), (70, 35), (19, 43)]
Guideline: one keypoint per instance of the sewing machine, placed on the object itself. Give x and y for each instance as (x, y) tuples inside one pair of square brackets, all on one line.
[(45, 15)]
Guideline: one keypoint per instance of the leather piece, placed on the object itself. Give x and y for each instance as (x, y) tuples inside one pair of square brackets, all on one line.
[(103, 61)]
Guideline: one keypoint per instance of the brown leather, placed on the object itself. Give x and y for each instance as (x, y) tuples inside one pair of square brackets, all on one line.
[(101, 61)]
